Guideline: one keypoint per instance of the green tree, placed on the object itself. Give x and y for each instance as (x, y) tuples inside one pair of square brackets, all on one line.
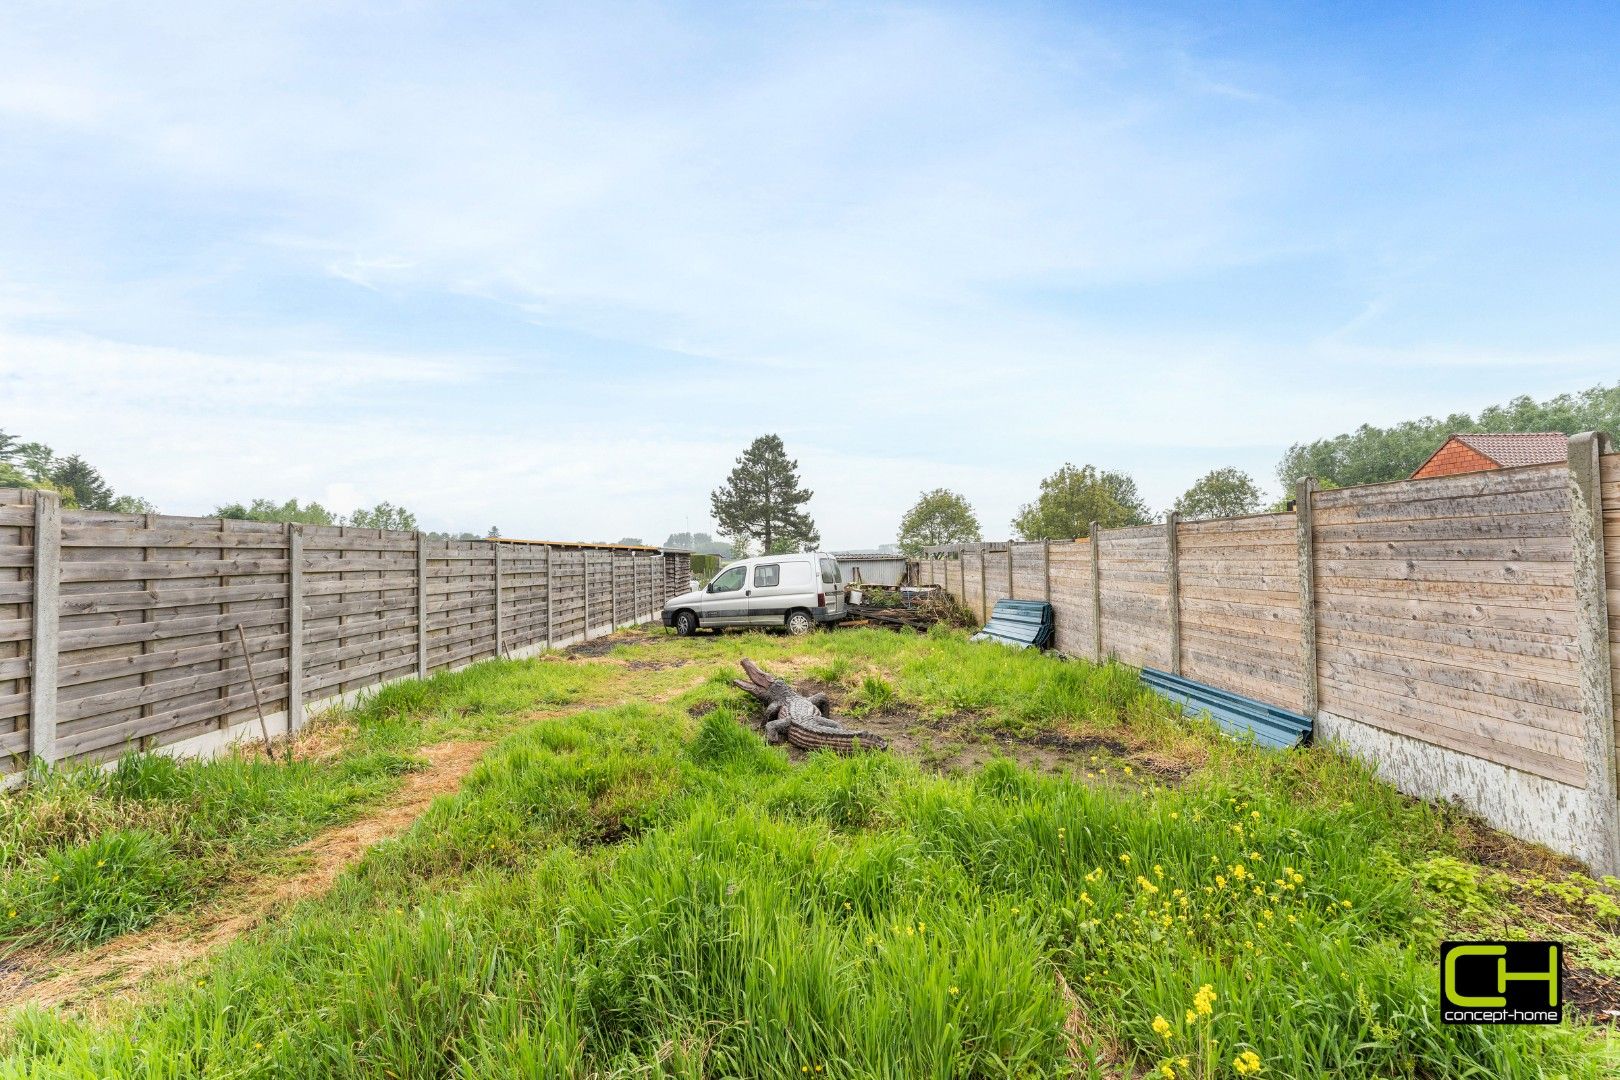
[(762, 500), (700, 543), (1371, 455), (1072, 498), (311, 513), (37, 460), (1220, 493), (633, 541), (940, 516), (493, 534), (385, 515), (89, 490), (132, 504)]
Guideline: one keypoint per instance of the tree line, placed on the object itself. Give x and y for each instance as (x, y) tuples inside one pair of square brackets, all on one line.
[(36, 466), (1073, 497)]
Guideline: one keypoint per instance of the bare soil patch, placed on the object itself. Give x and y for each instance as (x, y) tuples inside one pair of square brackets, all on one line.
[(961, 742), (92, 979)]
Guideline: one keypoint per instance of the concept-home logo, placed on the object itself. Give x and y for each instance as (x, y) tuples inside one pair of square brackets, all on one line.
[(1501, 982)]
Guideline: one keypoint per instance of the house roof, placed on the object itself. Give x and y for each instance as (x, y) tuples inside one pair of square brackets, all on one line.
[(1529, 448)]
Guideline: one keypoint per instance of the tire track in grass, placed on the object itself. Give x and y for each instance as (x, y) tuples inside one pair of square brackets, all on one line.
[(91, 979)]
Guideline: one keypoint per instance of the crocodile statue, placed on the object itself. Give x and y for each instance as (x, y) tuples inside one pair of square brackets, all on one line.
[(802, 721)]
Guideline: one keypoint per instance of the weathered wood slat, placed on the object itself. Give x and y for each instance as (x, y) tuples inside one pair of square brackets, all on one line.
[(123, 570), (144, 599)]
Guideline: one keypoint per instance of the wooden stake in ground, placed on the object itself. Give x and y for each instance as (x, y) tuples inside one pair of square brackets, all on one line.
[(258, 704)]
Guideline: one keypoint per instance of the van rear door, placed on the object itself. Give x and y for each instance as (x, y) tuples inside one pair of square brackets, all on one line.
[(832, 585)]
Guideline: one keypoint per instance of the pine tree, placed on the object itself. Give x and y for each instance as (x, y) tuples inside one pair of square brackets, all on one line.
[(762, 500), (77, 475)]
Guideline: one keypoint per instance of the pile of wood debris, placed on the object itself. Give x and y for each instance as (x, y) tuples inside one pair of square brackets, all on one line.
[(906, 607)]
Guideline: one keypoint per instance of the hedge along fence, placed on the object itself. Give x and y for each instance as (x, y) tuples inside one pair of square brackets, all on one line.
[(1461, 633), (119, 631)]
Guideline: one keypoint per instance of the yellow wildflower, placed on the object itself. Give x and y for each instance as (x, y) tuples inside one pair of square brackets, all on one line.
[(1204, 1000), (1125, 857), (1246, 1063), (1161, 1026), (954, 991)]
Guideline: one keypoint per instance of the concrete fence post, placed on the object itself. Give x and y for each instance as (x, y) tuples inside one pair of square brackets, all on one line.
[(1012, 586), (295, 627), (613, 577), (1596, 691), (44, 647), (1305, 531), (1046, 570), (551, 601), (984, 588), (500, 620), (421, 606), (1172, 587), (1094, 541), (585, 586)]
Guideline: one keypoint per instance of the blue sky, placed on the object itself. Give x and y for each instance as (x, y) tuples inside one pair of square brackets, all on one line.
[(552, 267)]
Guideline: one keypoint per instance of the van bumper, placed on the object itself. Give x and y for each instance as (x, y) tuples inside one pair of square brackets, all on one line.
[(824, 615), (667, 616)]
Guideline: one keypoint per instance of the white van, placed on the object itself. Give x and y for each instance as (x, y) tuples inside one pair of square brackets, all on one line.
[(794, 592)]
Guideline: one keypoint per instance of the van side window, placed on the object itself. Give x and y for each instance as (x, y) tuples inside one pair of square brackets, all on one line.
[(729, 581), (767, 575), (829, 572)]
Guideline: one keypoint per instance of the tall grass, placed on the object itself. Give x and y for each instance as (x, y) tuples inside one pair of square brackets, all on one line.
[(632, 893), (90, 853)]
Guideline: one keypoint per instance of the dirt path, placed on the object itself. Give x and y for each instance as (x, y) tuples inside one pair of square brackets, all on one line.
[(86, 980)]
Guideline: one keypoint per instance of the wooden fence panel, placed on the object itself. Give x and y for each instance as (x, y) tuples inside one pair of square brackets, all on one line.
[(1071, 597), (1239, 597), (568, 600), (16, 624), (148, 610), (461, 604), (523, 595), (1135, 593), (359, 609), (1419, 586), (600, 581)]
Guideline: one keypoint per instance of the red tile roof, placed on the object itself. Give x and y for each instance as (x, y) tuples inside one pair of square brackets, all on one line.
[(1530, 448)]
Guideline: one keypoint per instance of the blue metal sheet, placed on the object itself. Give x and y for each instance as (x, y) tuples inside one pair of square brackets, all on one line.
[(1233, 713), (1023, 624)]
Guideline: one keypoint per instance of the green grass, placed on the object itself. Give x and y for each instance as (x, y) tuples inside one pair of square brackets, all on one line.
[(89, 853), (633, 892)]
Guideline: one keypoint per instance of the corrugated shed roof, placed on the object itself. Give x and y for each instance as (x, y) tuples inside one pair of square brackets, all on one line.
[(1527, 448)]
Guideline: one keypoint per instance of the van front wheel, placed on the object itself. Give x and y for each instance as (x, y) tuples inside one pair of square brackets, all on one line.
[(800, 623), (685, 623)]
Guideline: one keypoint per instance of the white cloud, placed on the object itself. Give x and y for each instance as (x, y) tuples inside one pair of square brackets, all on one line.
[(903, 232)]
